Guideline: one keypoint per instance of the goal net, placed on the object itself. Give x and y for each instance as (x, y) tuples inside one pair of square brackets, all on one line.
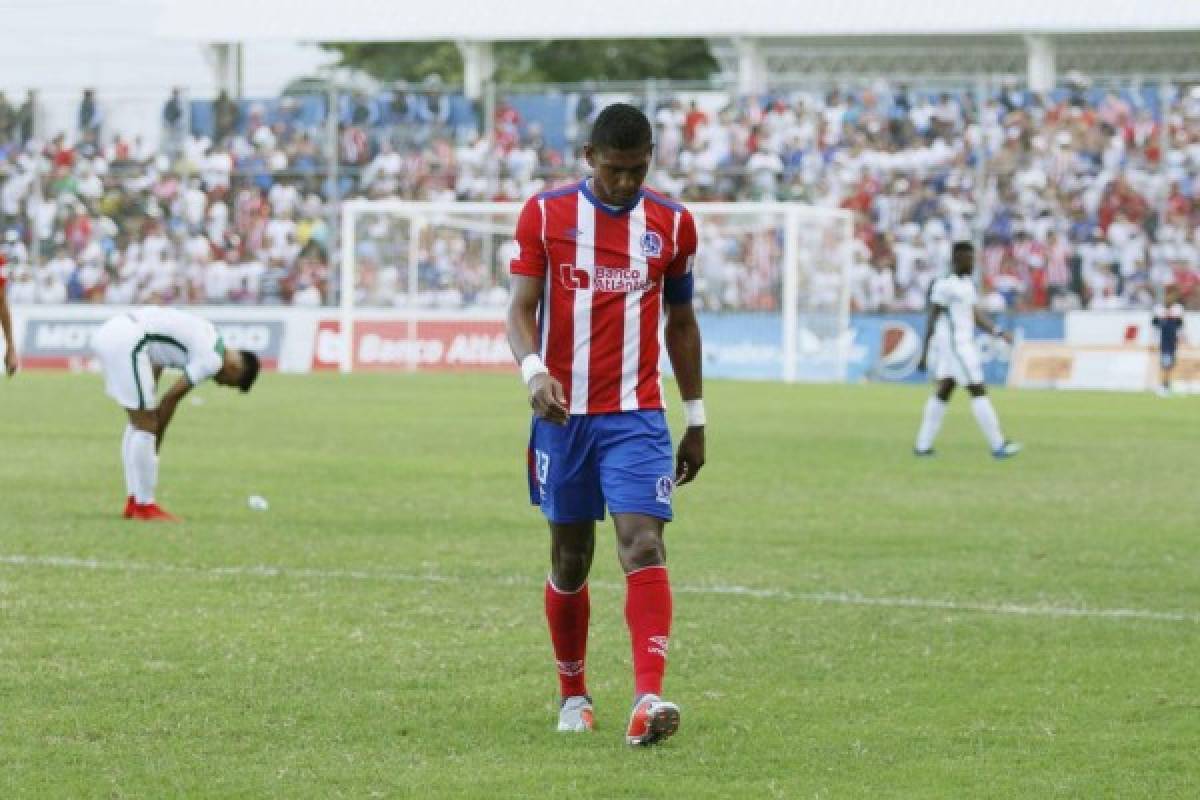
[(772, 279)]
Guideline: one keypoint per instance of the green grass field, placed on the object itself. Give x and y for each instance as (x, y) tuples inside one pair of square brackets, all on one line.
[(850, 622)]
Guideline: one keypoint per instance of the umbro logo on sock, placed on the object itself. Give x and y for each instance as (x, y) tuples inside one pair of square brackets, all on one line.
[(658, 646)]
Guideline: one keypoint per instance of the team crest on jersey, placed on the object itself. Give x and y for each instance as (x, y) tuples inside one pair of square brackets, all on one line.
[(664, 489), (651, 244)]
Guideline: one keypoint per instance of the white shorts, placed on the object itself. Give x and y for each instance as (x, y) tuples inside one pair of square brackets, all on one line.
[(959, 361), (128, 373)]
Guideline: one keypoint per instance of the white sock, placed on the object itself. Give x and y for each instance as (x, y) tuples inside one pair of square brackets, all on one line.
[(989, 423), (145, 466), (931, 422), (130, 480)]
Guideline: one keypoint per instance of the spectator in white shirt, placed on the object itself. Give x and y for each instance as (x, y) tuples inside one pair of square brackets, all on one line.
[(21, 289), (284, 199), (195, 204), (50, 290), (882, 288), (217, 282), (61, 266), (765, 168), (217, 170)]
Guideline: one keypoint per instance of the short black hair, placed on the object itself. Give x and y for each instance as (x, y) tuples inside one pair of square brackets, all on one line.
[(621, 127), (250, 366), (963, 245)]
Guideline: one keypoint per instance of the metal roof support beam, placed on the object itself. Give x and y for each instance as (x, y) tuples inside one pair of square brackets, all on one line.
[(225, 62), (751, 65), (479, 66), (1040, 62)]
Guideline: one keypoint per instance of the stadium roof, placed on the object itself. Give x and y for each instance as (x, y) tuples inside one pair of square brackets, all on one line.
[(480, 20)]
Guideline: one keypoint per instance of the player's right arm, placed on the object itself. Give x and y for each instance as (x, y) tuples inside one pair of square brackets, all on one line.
[(167, 406), (545, 392), (529, 275), (10, 345), (930, 322)]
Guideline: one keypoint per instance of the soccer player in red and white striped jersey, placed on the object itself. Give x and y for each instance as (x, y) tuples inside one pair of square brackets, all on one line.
[(600, 263)]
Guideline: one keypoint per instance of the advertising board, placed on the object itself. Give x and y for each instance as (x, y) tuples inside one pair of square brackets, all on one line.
[(437, 344)]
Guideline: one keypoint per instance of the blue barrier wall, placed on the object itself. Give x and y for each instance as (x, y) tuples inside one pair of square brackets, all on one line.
[(883, 347), (746, 346), (889, 346)]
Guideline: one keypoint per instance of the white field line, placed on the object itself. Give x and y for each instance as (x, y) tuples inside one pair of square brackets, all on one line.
[(827, 598)]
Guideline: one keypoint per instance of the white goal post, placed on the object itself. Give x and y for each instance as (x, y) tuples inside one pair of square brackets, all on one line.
[(759, 267)]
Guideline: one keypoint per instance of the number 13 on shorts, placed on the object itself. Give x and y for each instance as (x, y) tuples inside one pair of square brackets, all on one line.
[(541, 470)]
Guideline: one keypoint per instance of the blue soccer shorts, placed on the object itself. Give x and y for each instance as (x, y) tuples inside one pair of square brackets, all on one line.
[(621, 460), (1167, 359)]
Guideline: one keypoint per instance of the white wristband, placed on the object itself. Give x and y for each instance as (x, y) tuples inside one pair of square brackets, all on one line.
[(693, 413), (531, 367)]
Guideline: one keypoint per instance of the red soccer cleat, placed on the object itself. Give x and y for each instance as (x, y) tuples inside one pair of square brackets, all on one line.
[(576, 715), (652, 721), (130, 505), (150, 512)]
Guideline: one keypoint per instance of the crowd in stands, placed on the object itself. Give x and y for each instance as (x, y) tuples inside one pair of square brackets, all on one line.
[(1083, 198), (1088, 199)]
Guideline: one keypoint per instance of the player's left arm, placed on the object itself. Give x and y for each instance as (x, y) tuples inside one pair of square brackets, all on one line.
[(682, 338), (990, 327), (10, 345), (167, 406)]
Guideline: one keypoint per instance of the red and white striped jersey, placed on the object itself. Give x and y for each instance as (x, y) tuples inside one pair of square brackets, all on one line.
[(607, 272)]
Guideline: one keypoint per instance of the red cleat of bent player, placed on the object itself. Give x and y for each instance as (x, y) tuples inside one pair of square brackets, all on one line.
[(150, 512), (130, 505)]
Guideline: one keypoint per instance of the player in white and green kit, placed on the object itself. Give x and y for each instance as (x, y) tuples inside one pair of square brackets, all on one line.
[(953, 315), (133, 348)]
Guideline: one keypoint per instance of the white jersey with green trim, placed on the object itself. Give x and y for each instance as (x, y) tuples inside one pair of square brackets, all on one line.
[(957, 295), (178, 339)]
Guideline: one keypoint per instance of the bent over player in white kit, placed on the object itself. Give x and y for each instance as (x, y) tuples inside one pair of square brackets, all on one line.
[(133, 348), (10, 345), (953, 316)]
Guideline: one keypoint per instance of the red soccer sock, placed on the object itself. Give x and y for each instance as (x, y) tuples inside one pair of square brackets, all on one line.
[(648, 614), (567, 614)]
